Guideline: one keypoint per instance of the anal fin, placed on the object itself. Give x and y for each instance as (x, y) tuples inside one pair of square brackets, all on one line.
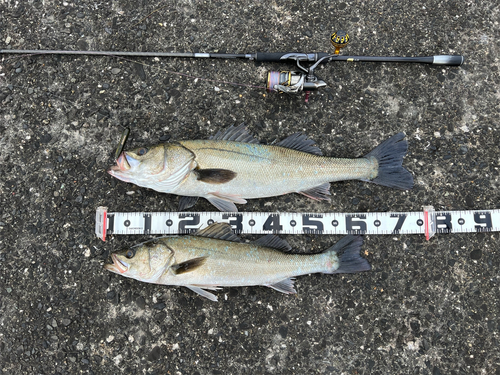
[(284, 286), (318, 193)]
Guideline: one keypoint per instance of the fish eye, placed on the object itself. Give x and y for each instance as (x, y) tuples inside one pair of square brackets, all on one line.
[(129, 254), (142, 151)]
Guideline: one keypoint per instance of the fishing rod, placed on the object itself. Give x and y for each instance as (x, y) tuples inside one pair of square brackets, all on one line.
[(283, 81)]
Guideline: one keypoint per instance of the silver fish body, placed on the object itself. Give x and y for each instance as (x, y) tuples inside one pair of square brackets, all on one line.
[(232, 167), (214, 257), (267, 171)]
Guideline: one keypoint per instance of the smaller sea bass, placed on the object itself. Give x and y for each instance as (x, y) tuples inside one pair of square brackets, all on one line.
[(232, 166), (215, 257)]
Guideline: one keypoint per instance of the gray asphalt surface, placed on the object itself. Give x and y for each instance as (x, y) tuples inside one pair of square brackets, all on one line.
[(425, 308)]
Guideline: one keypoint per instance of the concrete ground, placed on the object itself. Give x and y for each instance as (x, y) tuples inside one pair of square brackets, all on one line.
[(425, 308)]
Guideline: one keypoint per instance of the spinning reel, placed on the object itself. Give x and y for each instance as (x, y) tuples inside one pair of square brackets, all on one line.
[(292, 82)]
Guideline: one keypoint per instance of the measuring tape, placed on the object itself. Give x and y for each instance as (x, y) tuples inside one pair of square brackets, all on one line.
[(426, 222)]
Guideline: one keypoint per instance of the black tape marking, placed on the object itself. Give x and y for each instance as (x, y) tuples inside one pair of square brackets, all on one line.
[(189, 219), (399, 224), (484, 223), (236, 221), (307, 220), (443, 223), (111, 224), (273, 224), (355, 224), (147, 223)]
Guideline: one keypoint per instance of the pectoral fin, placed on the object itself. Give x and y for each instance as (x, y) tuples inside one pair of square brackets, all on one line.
[(284, 286), (215, 176), (225, 202), (188, 266), (202, 292)]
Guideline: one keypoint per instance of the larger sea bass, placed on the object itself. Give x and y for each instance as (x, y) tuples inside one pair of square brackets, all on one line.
[(232, 167), (215, 257)]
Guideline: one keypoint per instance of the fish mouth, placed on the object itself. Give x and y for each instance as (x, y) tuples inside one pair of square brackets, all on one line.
[(122, 168), (122, 164), (117, 266)]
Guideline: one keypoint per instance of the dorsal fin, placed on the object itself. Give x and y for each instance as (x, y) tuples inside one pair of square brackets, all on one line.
[(300, 142), (220, 231), (237, 134), (273, 242)]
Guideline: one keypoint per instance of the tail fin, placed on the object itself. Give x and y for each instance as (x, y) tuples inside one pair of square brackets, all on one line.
[(350, 261), (389, 155)]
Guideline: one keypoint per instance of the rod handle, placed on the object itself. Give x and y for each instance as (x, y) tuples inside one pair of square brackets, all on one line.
[(269, 56), (453, 60), (277, 56)]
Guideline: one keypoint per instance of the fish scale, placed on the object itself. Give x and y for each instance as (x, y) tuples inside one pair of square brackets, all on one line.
[(237, 264), (259, 168)]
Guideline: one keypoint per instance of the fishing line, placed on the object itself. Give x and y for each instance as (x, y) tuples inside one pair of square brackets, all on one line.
[(427, 222), (186, 75)]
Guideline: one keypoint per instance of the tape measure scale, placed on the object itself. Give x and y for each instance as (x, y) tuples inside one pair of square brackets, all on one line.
[(427, 222)]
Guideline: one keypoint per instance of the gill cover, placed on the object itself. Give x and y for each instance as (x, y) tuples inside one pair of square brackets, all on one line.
[(149, 160), (162, 167), (145, 262)]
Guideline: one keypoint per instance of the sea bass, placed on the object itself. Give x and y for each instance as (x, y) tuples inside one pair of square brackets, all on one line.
[(215, 257), (232, 166)]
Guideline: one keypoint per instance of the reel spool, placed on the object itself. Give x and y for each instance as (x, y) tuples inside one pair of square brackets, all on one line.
[(292, 82), (281, 81)]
